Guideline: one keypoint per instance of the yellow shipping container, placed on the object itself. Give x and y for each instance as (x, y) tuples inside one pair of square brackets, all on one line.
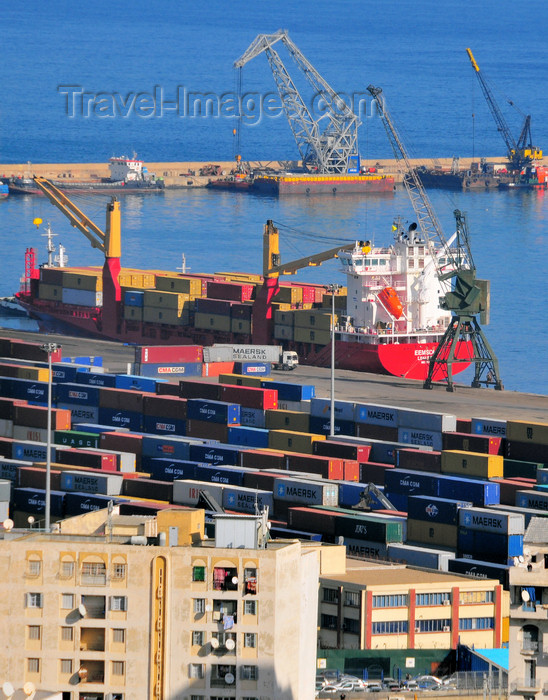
[(427, 532), (133, 313), (167, 300), (314, 319), (289, 295), (212, 322), (35, 374), (307, 335), (181, 285), (525, 431), (51, 292), (292, 441), (340, 300), (240, 380), (241, 277), (240, 325), (288, 420), (475, 464), (83, 280), (171, 317), (280, 307), (284, 317)]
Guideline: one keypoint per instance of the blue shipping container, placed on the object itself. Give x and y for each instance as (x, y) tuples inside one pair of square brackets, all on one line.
[(532, 499), (213, 411), (481, 569), (416, 437), (488, 546), (170, 447), (30, 500), (123, 419), (32, 451), (260, 369), (135, 382), (164, 371), (62, 373), (215, 454), (344, 410), (293, 392), (96, 379), (134, 297), (436, 510), (219, 474), (247, 437), (81, 394), (322, 426), (252, 417), (489, 426), (411, 483), (350, 493), (414, 555), (161, 426), (165, 469), (77, 502), (481, 493), (376, 414), (33, 392)]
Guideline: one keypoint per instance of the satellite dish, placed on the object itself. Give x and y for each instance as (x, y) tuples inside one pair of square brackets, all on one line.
[(525, 596), (229, 678), (234, 580), (8, 525), (82, 610), (521, 559), (515, 561), (230, 644), (82, 672), (208, 608), (29, 688), (7, 687), (214, 643)]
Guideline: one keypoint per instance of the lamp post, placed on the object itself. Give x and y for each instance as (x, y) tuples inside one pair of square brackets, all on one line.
[(49, 348), (332, 288)]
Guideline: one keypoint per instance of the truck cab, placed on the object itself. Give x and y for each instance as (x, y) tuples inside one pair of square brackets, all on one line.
[(288, 361)]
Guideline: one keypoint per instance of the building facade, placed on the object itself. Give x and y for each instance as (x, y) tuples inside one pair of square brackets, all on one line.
[(149, 608)]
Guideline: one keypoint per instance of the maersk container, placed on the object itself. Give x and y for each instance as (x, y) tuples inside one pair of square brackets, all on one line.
[(419, 460), (306, 492), (95, 378), (481, 493), (165, 469), (80, 394), (248, 437), (481, 569), (541, 473), (292, 392), (9, 468), (413, 555), (527, 513), (252, 417), (80, 413), (489, 546), (489, 426), (438, 534), (427, 420), (29, 500), (433, 509), (413, 436), (245, 500), (188, 492), (33, 392), (342, 450), (164, 426), (344, 410), (213, 411), (135, 382), (120, 418), (134, 297), (375, 414), (532, 499), (254, 369), (488, 520), (32, 451), (76, 438), (322, 426), (107, 484), (215, 454), (220, 474), (78, 502), (364, 549)]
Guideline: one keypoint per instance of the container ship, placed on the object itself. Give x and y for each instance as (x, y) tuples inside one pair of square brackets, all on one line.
[(387, 319)]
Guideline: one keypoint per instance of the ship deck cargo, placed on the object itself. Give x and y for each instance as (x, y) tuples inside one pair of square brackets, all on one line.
[(302, 183)]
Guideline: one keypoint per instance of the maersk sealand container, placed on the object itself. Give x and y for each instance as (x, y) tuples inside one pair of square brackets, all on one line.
[(246, 500), (488, 520)]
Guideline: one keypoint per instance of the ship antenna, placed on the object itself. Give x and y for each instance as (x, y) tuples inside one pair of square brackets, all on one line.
[(50, 246), (183, 267)]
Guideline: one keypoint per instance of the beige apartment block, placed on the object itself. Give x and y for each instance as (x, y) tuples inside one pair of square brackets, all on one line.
[(528, 664), (116, 607), (393, 606)]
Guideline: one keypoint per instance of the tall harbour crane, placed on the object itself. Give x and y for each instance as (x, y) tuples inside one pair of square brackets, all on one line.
[(327, 144), (463, 294), (519, 153)]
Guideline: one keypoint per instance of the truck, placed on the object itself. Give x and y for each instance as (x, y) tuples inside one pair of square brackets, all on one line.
[(275, 354)]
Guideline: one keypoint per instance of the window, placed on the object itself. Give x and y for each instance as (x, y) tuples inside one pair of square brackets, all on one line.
[(34, 567), (352, 598), (196, 671), (250, 640), (432, 625), (118, 602), (250, 607), (33, 665), (198, 573), (432, 598), (66, 665), (67, 569), (34, 600), (67, 634), (395, 627), (249, 673), (199, 605), (390, 601), (118, 668), (476, 623), (467, 597), (250, 581), (351, 626), (330, 595), (67, 601), (197, 697), (119, 636), (329, 622), (35, 632), (94, 573), (119, 571), (197, 638)]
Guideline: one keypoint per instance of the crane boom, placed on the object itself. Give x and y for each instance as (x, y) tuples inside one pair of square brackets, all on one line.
[(328, 143)]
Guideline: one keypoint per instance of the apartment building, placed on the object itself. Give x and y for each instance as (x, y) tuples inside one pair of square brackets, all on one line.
[(114, 607), (528, 668), (393, 606)]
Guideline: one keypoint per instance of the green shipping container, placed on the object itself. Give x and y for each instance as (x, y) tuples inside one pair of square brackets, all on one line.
[(76, 438)]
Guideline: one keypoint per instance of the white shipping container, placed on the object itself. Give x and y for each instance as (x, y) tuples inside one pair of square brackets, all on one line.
[(187, 492), (81, 413), (492, 521), (414, 436), (252, 417), (82, 297), (89, 482), (25, 432), (426, 420), (4, 510), (6, 428), (302, 406), (421, 556), (5, 491)]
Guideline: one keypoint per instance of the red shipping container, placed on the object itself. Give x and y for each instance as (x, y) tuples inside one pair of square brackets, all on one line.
[(342, 450), (230, 291), (199, 390), (169, 354), (418, 460), (121, 399), (207, 429), (214, 369), (87, 458), (123, 442), (164, 406), (167, 389), (311, 520), (351, 469), (377, 432), (250, 397), (327, 467), (6, 447), (308, 292), (373, 472), (7, 407), (35, 478), (37, 417), (33, 351), (263, 459), (464, 425), (472, 443)]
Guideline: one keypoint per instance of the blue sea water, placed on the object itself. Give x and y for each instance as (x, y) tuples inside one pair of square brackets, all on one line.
[(83, 82)]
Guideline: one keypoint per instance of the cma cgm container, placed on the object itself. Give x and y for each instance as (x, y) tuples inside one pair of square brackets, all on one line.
[(344, 410), (220, 474), (292, 490), (29, 500), (163, 425), (107, 484), (80, 394), (77, 502), (165, 469), (164, 446), (120, 418), (437, 559), (215, 454), (322, 426), (434, 509), (481, 569), (95, 378), (213, 411), (244, 500), (492, 521)]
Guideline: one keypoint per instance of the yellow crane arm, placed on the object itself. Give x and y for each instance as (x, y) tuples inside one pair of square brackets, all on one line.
[(310, 261), (472, 60)]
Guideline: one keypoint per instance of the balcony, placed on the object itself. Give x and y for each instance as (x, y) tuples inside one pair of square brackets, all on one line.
[(529, 647), (92, 639), (91, 671), (526, 686), (225, 579)]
